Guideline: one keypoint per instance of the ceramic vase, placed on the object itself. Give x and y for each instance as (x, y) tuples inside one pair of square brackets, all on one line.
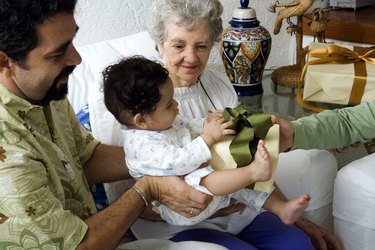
[(244, 48)]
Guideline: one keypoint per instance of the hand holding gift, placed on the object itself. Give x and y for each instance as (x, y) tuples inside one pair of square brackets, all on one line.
[(237, 151)]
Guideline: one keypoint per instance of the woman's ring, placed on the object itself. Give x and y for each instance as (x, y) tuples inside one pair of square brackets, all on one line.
[(191, 211)]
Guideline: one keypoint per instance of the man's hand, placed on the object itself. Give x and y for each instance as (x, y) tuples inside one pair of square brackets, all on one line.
[(321, 238), (176, 194), (286, 132), (234, 207)]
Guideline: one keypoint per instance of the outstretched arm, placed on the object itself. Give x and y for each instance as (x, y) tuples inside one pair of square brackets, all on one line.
[(107, 227), (329, 129), (107, 164), (286, 133)]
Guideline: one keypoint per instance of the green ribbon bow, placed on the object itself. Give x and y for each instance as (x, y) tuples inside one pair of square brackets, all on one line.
[(250, 128)]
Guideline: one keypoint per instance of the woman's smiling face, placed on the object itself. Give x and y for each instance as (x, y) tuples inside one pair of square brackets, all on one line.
[(185, 52)]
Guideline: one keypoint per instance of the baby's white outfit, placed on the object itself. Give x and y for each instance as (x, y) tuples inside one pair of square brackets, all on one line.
[(180, 150)]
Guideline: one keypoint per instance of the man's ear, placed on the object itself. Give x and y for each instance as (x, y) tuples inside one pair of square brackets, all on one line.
[(5, 64), (140, 121)]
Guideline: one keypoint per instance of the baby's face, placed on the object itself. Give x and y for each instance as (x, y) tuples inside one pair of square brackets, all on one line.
[(166, 109)]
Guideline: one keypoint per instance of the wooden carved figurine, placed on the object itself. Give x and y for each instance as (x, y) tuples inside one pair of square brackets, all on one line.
[(295, 8), (318, 24)]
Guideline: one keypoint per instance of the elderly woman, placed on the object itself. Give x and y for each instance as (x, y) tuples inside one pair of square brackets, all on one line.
[(184, 32)]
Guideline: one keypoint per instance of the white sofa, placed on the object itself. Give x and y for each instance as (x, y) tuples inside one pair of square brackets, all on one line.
[(354, 204), (85, 88)]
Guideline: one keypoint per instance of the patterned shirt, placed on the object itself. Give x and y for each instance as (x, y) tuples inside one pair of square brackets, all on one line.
[(44, 196)]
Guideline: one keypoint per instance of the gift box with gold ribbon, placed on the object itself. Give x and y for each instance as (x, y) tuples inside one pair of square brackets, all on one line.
[(338, 74), (238, 150)]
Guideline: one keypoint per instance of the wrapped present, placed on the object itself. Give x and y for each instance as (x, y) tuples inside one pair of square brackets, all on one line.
[(338, 74), (237, 151)]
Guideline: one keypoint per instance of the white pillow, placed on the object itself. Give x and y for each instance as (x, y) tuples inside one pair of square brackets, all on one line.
[(83, 82), (85, 88)]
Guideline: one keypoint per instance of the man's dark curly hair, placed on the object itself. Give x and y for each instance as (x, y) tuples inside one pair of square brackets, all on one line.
[(19, 20), (131, 86)]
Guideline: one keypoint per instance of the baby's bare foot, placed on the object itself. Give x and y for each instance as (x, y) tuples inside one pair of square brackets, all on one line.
[(262, 163), (293, 209)]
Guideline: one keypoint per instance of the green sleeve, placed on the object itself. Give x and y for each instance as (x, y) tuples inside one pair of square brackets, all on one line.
[(335, 128)]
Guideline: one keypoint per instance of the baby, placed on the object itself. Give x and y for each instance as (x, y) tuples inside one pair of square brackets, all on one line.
[(158, 142)]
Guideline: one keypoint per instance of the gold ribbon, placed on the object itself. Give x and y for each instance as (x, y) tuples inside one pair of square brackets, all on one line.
[(250, 128), (335, 54)]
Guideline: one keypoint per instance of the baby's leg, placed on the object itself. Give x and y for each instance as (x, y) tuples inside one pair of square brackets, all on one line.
[(288, 211), (262, 163), (260, 169)]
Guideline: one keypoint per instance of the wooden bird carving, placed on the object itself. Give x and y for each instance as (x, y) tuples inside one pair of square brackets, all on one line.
[(318, 25), (295, 8)]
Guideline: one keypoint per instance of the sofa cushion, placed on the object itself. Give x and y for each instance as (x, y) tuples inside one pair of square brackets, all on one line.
[(354, 197)]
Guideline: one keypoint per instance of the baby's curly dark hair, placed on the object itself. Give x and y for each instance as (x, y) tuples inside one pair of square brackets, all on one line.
[(131, 86)]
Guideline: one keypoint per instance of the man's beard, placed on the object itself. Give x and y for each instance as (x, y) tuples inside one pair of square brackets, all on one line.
[(56, 93)]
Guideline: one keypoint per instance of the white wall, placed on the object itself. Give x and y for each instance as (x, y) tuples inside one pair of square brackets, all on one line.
[(105, 19)]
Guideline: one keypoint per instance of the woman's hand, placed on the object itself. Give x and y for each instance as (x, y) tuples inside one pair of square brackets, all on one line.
[(176, 194), (286, 132), (321, 238), (214, 115)]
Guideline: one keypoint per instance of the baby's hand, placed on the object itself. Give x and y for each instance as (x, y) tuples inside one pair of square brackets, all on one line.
[(215, 129)]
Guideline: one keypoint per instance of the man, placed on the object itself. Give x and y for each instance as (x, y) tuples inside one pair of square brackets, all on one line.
[(46, 157)]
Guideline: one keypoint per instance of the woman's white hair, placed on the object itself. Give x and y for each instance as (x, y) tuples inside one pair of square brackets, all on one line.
[(185, 13)]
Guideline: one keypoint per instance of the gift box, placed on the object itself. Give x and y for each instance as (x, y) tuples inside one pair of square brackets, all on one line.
[(339, 74), (223, 156)]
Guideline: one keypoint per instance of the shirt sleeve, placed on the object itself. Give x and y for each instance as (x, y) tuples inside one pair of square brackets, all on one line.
[(335, 128)]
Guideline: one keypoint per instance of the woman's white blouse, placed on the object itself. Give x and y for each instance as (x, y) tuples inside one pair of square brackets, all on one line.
[(195, 103)]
